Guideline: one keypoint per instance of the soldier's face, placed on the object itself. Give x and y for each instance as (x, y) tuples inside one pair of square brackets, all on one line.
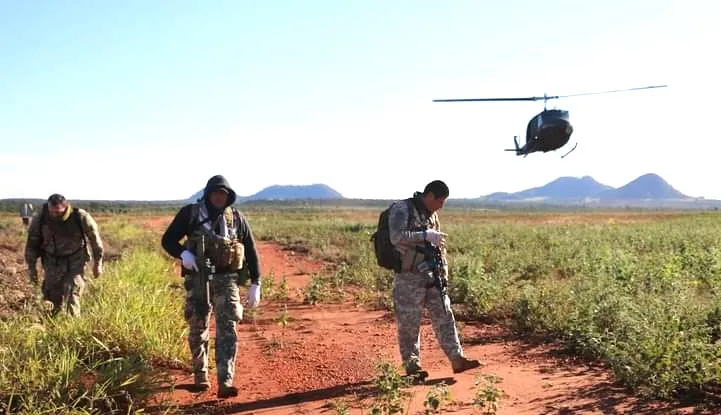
[(218, 199), (434, 203), (57, 211)]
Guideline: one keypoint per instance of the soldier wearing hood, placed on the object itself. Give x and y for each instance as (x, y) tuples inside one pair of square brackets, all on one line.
[(232, 248)]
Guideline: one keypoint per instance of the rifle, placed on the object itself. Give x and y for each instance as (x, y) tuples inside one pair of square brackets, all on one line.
[(201, 279), (434, 255)]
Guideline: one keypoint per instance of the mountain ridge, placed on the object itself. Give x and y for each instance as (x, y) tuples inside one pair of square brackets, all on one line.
[(315, 191), (649, 186)]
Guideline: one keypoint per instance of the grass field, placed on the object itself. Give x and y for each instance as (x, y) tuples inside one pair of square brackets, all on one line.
[(638, 291)]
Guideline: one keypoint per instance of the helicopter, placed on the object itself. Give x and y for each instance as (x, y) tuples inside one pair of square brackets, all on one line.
[(548, 130)]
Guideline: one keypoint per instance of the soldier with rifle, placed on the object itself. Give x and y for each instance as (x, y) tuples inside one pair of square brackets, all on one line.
[(437, 263), (421, 279), (219, 245)]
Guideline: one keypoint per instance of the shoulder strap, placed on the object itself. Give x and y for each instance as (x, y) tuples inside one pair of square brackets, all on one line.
[(194, 214), (76, 218), (411, 206), (236, 217), (43, 214)]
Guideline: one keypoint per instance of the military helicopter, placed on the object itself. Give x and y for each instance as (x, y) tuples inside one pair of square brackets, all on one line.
[(548, 130)]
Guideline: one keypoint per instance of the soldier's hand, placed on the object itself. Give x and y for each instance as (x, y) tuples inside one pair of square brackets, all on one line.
[(189, 260), (254, 295), (435, 237), (98, 268)]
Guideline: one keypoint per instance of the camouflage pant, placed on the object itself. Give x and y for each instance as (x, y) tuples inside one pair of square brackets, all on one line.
[(410, 295), (64, 282), (226, 305)]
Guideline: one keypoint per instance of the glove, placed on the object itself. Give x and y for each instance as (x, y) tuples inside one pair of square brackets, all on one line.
[(254, 295), (435, 237), (98, 268), (189, 260), (33, 274)]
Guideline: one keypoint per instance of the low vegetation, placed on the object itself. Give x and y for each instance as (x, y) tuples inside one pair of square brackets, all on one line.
[(107, 361), (638, 291)]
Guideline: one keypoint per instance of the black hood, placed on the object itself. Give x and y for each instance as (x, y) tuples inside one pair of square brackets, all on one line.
[(219, 182)]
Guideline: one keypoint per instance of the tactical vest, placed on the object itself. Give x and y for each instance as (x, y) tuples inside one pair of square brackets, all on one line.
[(63, 239), (225, 252), (418, 222)]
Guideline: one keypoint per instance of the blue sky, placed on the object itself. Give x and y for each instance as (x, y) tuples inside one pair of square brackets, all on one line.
[(147, 99)]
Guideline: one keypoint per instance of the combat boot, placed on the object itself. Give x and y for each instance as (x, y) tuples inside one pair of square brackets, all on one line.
[(202, 383), (227, 391), (415, 373), (462, 363)]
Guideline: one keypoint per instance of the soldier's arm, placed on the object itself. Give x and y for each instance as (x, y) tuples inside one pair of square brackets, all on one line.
[(177, 229), (33, 246), (398, 221), (90, 227), (251, 254)]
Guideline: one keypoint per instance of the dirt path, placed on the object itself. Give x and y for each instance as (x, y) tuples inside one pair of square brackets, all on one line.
[(327, 353)]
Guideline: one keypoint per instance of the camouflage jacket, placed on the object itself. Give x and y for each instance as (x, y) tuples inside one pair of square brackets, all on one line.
[(47, 237), (405, 239), (26, 210)]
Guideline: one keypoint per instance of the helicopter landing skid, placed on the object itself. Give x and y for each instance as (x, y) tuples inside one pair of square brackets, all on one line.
[(569, 151)]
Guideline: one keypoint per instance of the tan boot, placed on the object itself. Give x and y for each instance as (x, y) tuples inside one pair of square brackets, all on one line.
[(462, 363)]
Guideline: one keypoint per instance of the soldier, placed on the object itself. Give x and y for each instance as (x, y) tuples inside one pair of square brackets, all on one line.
[(411, 225), (62, 237), (26, 212), (228, 243)]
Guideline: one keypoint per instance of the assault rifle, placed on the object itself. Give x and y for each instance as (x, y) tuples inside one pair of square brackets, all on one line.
[(435, 257), (201, 279)]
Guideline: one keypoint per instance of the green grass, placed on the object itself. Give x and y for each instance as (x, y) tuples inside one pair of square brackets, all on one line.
[(108, 360), (641, 297)]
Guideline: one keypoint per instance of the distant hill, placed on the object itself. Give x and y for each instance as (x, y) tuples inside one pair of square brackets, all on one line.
[(197, 195), (651, 189), (559, 189), (293, 192), (286, 192), (648, 186)]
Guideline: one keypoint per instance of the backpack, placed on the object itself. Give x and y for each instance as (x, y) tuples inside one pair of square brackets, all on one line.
[(386, 254)]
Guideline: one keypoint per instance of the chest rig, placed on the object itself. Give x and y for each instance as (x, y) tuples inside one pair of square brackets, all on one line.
[(420, 220), (216, 240)]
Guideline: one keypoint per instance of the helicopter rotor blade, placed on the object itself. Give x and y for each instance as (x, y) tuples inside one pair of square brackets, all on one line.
[(493, 99), (617, 90)]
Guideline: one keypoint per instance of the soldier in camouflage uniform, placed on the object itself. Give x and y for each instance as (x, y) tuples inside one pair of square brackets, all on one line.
[(26, 212), (411, 286), (229, 245), (62, 237)]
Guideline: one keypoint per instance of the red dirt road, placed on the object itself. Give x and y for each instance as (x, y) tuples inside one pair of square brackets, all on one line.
[(327, 353)]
